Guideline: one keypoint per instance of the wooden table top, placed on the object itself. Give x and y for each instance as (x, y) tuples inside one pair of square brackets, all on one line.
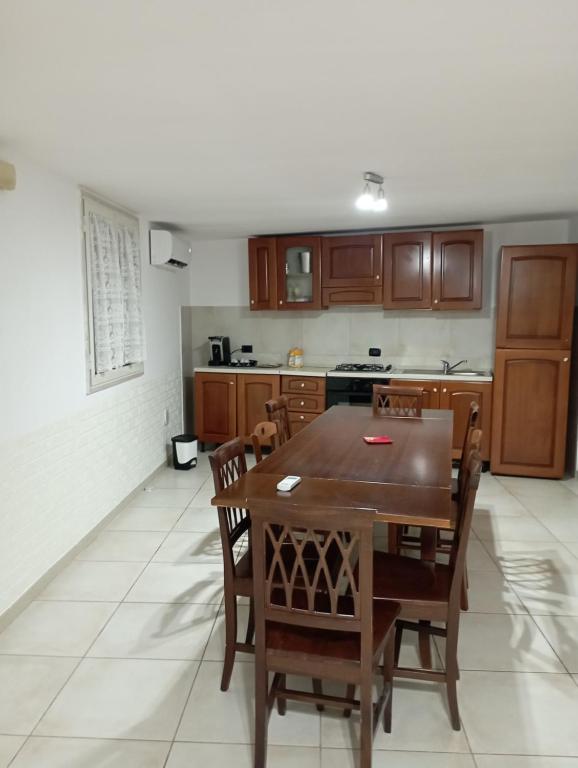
[(407, 482)]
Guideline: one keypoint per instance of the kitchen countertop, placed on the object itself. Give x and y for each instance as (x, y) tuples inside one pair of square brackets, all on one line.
[(324, 371)]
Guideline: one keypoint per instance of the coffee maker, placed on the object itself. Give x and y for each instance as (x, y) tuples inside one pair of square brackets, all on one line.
[(220, 349)]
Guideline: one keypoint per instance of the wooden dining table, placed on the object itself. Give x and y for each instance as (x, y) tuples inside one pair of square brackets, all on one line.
[(407, 482)]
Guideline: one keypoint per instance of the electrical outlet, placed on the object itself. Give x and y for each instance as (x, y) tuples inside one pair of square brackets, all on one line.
[(166, 417), (374, 352), (248, 348)]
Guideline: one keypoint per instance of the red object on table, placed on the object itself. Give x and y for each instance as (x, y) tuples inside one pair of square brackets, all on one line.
[(379, 440)]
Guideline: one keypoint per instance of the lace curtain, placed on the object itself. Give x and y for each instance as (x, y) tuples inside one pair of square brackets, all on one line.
[(116, 293)]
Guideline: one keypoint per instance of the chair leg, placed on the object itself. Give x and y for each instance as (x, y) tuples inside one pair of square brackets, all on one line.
[(366, 725), (318, 689), (230, 639), (350, 694), (388, 663), (464, 603), (424, 644), (261, 713), (282, 703), (452, 672), (397, 646), (250, 623)]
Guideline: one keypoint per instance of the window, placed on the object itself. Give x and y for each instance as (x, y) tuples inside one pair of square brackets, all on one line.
[(116, 345)]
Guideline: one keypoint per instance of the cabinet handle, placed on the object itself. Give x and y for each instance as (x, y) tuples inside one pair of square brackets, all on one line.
[(231, 382), (280, 302), (301, 417), (435, 389), (444, 390), (565, 360), (435, 301), (252, 301), (302, 384), (302, 402), (377, 277)]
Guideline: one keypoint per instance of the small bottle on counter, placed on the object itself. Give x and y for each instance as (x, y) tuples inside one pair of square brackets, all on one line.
[(295, 358)]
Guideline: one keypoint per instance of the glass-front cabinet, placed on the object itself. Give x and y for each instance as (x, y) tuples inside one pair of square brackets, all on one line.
[(298, 273)]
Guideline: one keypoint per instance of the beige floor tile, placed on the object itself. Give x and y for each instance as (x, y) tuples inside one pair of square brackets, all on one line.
[(552, 595), (141, 519), (563, 527), (163, 497), (27, 686), (478, 558), (420, 723), (200, 519), (93, 581), (347, 758), (9, 746), (519, 713), (240, 756), (528, 486), (490, 593), (170, 478), (156, 631), (524, 761), (522, 561), (572, 546), (503, 505), (204, 495), (571, 484), (562, 634), (542, 507), (189, 547), (121, 699), (215, 650), (176, 583), (123, 546), (43, 752), (502, 643), (490, 528), (55, 629), (212, 715)]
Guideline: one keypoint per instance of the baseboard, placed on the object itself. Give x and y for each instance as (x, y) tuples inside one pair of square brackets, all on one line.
[(32, 592)]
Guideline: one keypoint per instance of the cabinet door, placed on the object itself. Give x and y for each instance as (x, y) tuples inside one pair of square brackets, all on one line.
[(457, 269), (339, 297), (431, 390), (536, 296), (262, 273), (298, 421), (298, 272), (457, 397), (530, 412), (351, 261), (407, 270), (215, 407), (253, 391)]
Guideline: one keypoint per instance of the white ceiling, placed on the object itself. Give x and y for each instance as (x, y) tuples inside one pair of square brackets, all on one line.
[(234, 117)]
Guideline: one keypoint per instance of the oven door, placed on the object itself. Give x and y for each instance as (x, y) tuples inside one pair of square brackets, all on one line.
[(349, 390)]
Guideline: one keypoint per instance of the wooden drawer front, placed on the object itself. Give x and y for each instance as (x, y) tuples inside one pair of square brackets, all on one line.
[(338, 296), (309, 384), (306, 403), (298, 421)]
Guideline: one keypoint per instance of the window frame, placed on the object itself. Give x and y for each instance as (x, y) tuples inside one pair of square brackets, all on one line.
[(96, 382)]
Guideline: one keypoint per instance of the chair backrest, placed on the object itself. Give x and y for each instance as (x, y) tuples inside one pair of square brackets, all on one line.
[(278, 413), (313, 568), (397, 401), (473, 419), (264, 432), (465, 511), (228, 464), (473, 443)]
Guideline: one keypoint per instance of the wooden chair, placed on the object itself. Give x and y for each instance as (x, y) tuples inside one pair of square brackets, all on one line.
[(313, 621), (397, 401), (228, 463), (263, 432), (278, 413), (430, 591), (473, 418)]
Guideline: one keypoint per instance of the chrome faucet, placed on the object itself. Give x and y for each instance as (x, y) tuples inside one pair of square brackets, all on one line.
[(449, 368)]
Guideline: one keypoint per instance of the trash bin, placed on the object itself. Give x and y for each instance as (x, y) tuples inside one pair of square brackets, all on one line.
[(184, 451)]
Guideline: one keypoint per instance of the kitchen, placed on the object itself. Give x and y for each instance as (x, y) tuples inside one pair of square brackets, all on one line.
[(409, 345)]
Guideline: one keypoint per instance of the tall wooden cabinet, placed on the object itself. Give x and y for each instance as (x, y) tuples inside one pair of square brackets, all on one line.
[(262, 273), (253, 391), (532, 370), (215, 407)]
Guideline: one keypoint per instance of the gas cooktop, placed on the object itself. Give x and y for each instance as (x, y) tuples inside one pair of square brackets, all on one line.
[(365, 367)]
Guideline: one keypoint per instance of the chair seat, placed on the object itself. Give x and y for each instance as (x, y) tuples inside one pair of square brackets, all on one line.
[(402, 579), (287, 639)]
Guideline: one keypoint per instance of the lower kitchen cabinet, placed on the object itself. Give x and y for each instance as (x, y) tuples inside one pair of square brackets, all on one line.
[(457, 397), (253, 391), (305, 400), (530, 412), (298, 421), (215, 407), (431, 390)]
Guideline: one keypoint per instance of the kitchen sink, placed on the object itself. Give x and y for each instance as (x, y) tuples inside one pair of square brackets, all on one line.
[(439, 372)]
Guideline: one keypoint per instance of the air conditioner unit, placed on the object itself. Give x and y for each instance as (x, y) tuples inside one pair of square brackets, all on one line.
[(168, 250)]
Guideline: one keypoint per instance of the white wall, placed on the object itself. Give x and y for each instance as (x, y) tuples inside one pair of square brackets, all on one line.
[(219, 274), (67, 458)]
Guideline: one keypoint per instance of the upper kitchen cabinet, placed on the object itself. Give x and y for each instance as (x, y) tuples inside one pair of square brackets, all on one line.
[(536, 297), (351, 270), (262, 273), (407, 270), (457, 269), (298, 272)]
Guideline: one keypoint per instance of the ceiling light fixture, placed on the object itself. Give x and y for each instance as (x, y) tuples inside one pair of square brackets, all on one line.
[(370, 199)]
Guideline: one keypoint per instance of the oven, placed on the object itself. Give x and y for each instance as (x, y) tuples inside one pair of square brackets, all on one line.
[(351, 390)]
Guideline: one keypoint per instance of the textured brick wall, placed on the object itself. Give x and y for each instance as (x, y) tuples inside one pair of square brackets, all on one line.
[(58, 483)]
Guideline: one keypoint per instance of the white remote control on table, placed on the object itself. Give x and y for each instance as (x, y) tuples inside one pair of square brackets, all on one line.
[(288, 483)]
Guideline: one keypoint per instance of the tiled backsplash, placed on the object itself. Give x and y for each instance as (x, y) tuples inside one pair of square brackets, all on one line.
[(342, 335)]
